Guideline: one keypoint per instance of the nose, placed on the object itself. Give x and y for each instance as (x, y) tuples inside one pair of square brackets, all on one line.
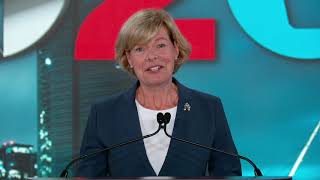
[(151, 55)]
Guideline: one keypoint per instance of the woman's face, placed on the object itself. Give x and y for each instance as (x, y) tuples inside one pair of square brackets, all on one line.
[(153, 63)]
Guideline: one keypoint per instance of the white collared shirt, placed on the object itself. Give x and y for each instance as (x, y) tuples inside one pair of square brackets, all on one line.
[(156, 146)]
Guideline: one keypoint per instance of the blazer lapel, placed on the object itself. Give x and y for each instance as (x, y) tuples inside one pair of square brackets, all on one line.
[(134, 124), (168, 166)]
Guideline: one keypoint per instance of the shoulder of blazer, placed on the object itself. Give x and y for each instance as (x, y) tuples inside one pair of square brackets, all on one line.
[(117, 100), (196, 95)]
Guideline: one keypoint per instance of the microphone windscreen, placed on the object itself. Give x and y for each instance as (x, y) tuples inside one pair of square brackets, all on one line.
[(167, 117), (160, 118)]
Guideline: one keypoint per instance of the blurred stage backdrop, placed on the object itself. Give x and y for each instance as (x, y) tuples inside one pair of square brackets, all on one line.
[(261, 57)]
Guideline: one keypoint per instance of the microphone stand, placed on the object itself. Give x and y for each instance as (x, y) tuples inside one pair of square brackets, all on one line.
[(166, 119), (64, 173), (163, 120)]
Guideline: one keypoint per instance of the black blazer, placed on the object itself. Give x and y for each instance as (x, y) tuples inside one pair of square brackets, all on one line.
[(115, 120)]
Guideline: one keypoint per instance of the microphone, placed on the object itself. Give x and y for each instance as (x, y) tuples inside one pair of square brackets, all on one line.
[(64, 173), (163, 120)]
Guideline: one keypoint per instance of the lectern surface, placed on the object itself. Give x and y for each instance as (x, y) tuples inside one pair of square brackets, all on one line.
[(175, 178)]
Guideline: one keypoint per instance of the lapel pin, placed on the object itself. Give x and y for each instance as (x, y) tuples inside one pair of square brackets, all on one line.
[(186, 107)]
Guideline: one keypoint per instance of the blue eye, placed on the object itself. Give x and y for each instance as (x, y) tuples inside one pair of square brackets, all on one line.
[(138, 49), (162, 45)]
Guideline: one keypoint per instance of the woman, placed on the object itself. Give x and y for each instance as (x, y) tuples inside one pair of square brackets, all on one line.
[(151, 48)]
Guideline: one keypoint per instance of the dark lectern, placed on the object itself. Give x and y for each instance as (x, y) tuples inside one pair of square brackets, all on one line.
[(176, 178)]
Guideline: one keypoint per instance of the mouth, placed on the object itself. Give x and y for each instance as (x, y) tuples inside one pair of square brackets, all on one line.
[(155, 68)]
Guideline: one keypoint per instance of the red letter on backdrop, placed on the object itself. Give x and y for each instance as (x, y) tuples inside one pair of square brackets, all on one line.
[(98, 32)]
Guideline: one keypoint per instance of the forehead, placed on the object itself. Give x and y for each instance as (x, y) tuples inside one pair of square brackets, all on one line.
[(161, 33)]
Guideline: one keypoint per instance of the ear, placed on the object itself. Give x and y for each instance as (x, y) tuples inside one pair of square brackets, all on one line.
[(176, 49), (129, 59)]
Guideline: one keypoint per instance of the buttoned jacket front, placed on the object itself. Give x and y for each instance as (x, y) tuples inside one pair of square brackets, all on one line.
[(200, 118)]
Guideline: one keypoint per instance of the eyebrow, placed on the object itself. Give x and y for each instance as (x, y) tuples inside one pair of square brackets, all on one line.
[(158, 39), (162, 38)]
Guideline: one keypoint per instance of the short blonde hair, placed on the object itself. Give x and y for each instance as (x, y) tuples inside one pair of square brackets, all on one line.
[(141, 27)]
